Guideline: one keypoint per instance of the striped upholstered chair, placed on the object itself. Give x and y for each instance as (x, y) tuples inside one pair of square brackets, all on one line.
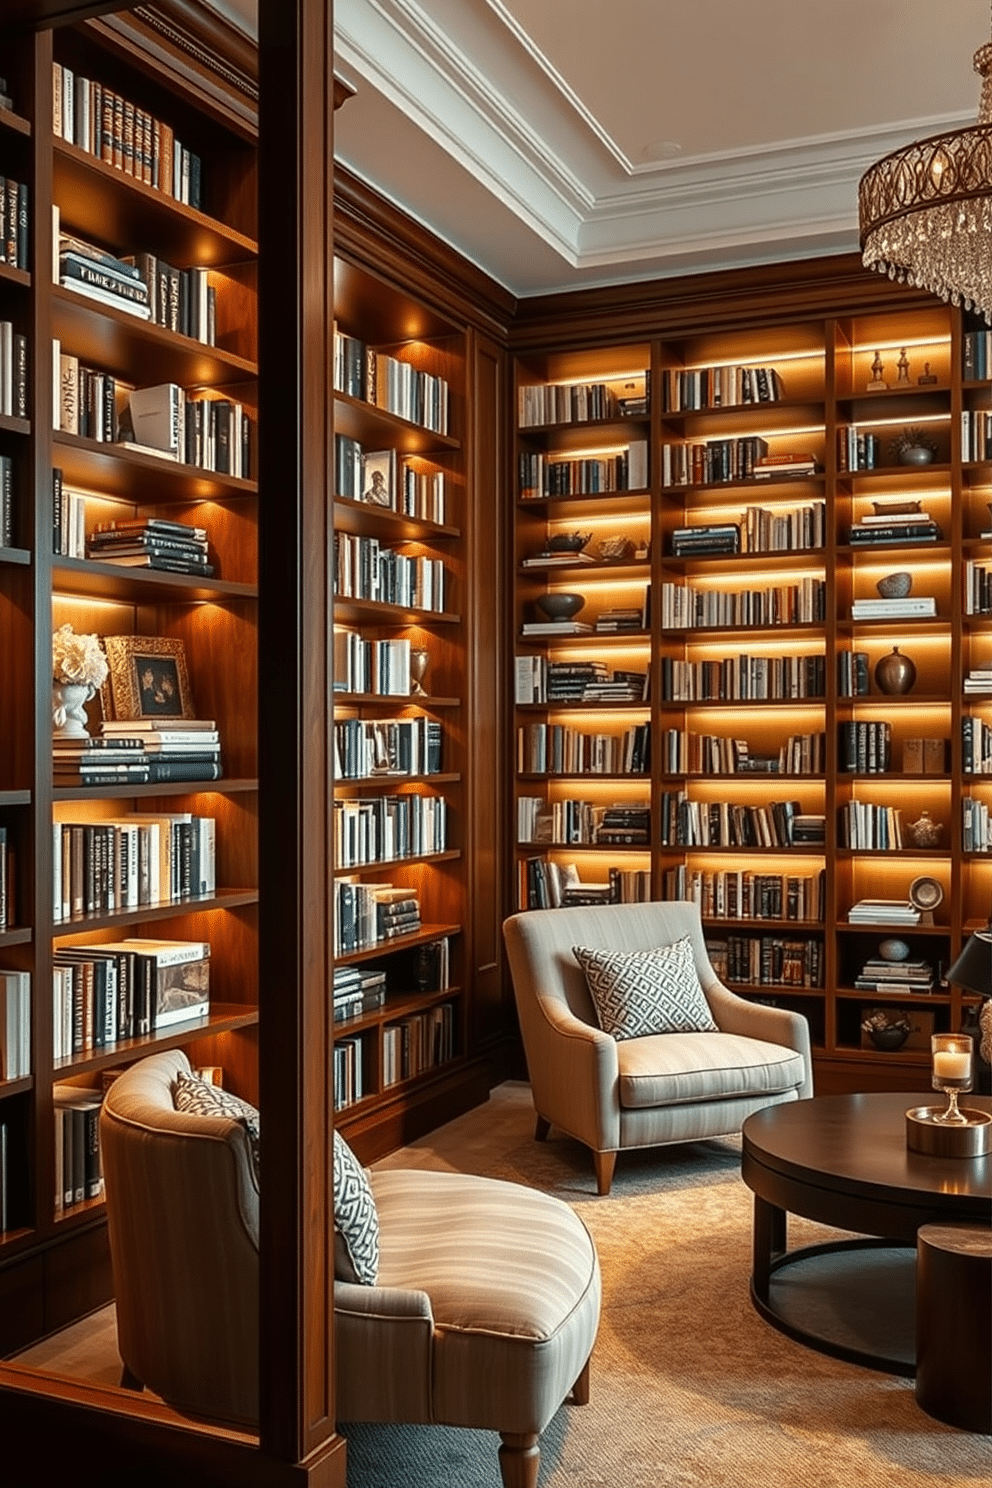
[(483, 1312), (615, 1093)]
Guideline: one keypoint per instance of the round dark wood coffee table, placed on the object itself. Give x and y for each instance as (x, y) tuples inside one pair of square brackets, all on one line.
[(842, 1160)]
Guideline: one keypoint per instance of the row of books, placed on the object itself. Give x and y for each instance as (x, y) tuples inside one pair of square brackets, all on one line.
[(364, 665), (14, 223), (686, 822), (7, 916), (852, 674), (977, 588), (142, 285), (363, 569), (716, 754), (545, 884), (576, 821), (864, 746), (365, 915), (885, 526), (390, 383), (857, 449), (716, 460), (560, 749), (364, 747), (382, 478), (976, 825), (691, 388), (15, 1024), (581, 402), (418, 1043), (140, 752), (802, 528), (381, 829), (706, 539), (743, 678), (976, 434), (976, 746), (976, 359), (6, 501), (13, 371), (767, 960), (165, 420), (357, 990), (348, 1072), (120, 864), (114, 129), (104, 994), (538, 680), (687, 607), (78, 1161), (546, 475), (866, 826), (738, 894)]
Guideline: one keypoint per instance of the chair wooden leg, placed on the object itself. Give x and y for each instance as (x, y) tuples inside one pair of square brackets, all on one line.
[(541, 1129), (604, 1162), (519, 1459), (130, 1381), (580, 1390)]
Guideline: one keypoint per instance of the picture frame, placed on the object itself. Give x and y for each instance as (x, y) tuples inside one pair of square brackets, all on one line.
[(148, 679), (379, 478)]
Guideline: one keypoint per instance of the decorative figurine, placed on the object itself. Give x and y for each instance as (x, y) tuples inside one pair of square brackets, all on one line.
[(928, 376), (878, 383), (903, 365)]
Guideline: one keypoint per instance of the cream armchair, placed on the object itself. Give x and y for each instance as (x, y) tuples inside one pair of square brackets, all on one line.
[(484, 1313), (642, 1092)]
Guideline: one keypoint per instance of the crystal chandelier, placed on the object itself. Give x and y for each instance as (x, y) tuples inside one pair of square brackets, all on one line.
[(926, 210)]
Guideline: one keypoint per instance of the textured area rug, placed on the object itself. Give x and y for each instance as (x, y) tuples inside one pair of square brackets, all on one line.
[(689, 1386)]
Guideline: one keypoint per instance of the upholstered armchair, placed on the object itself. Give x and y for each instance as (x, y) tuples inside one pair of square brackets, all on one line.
[(617, 1093), (483, 1310)]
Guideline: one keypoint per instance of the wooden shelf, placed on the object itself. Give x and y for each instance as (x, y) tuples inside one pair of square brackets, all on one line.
[(17, 935), (11, 275), (423, 936), (374, 427), (15, 122), (89, 577), (18, 557), (397, 1007), (426, 701), (222, 1018), (390, 781), (390, 865), (85, 925), (362, 517), (149, 792), (372, 612), (9, 424), (143, 479)]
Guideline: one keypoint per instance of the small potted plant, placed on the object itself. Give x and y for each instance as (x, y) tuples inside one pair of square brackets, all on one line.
[(887, 1030), (914, 446), (79, 667)]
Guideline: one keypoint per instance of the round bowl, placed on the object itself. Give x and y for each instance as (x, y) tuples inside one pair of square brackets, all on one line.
[(888, 1038), (567, 542), (895, 585), (915, 454), (561, 606)]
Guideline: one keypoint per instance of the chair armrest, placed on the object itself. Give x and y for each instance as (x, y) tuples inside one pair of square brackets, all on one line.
[(575, 1075), (383, 1353), (396, 1303), (775, 1025)]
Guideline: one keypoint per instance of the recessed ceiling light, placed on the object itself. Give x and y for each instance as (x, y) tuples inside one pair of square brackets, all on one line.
[(661, 150)]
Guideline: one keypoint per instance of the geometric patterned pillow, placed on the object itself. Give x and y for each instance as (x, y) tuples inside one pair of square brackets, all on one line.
[(643, 992), (356, 1219), (201, 1098)]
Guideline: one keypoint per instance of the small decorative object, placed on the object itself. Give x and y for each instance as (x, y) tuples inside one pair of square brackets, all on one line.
[(147, 679), (928, 377), (79, 667), (901, 508), (913, 446), (893, 949), (927, 894), (895, 673), (950, 1131), (567, 542), (887, 1030), (419, 658), (926, 832), (895, 585), (953, 1072), (616, 549), (903, 366), (561, 606), (878, 383)]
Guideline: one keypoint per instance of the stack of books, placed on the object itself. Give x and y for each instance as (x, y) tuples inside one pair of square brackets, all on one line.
[(878, 975), (172, 748), (895, 527), (619, 687), (152, 542), (569, 681), (883, 912), (784, 467), (555, 627), (717, 537), (357, 990), (621, 617), (397, 912), (979, 679), (911, 606), (621, 825), (119, 759), (98, 275)]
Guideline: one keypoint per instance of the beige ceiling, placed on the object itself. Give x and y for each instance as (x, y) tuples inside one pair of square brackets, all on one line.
[(568, 142)]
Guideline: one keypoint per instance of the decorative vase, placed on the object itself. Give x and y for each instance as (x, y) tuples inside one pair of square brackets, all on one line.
[(925, 831), (419, 659), (68, 709), (915, 454), (895, 585), (558, 606), (895, 673)]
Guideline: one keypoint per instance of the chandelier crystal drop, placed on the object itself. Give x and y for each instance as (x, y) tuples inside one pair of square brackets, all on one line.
[(926, 210)]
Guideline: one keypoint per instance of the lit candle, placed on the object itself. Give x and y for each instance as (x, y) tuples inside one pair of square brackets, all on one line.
[(949, 1065)]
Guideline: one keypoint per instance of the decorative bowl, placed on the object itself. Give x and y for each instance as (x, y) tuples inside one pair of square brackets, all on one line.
[(916, 454), (896, 508), (888, 1038), (895, 585), (567, 542), (560, 606)]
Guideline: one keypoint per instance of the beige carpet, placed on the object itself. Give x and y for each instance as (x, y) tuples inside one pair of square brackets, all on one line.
[(689, 1386)]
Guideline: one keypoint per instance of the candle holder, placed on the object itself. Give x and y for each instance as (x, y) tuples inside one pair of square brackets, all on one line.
[(950, 1131)]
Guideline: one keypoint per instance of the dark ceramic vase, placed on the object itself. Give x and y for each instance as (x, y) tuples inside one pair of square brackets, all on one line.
[(895, 673)]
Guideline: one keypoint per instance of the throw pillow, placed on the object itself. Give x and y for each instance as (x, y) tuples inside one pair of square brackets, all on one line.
[(356, 1219), (643, 992), (201, 1098)]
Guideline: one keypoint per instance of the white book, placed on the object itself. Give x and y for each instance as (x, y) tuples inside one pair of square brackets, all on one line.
[(155, 417), (106, 297)]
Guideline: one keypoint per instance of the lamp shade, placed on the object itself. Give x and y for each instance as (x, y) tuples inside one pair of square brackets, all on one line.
[(973, 968)]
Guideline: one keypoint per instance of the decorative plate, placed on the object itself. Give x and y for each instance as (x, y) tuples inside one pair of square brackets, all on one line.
[(925, 892)]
